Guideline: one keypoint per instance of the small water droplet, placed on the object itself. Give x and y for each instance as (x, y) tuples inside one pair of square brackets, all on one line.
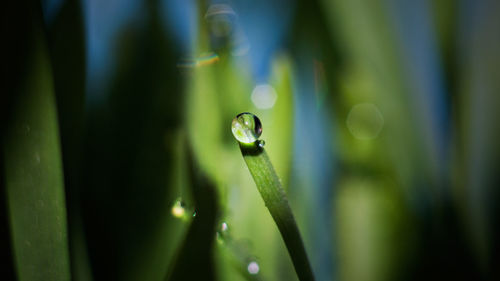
[(262, 143), (223, 227), (246, 127), (178, 209), (222, 233), (253, 268), (220, 237)]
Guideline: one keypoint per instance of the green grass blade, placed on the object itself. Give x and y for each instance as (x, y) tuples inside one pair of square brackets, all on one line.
[(33, 174), (274, 196)]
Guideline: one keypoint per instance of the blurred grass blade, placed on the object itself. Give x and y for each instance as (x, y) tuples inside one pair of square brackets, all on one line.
[(194, 260), (33, 172), (65, 38), (272, 192)]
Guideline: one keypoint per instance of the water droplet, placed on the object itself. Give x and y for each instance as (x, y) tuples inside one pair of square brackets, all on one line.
[(253, 268), (178, 209), (218, 238), (246, 127), (223, 227), (262, 143), (365, 121), (222, 233)]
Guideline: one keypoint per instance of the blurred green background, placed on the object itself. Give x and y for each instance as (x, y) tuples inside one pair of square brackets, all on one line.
[(380, 117)]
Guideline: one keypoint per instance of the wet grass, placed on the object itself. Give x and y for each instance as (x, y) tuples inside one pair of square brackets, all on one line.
[(269, 186)]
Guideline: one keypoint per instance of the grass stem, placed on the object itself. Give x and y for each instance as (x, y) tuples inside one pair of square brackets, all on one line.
[(269, 186)]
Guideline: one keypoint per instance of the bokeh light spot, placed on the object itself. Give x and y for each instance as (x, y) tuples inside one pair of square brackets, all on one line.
[(253, 268), (364, 121), (264, 96)]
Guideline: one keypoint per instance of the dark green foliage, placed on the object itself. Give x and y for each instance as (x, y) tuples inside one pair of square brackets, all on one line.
[(128, 157), (89, 170), (32, 174), (65, 36)]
